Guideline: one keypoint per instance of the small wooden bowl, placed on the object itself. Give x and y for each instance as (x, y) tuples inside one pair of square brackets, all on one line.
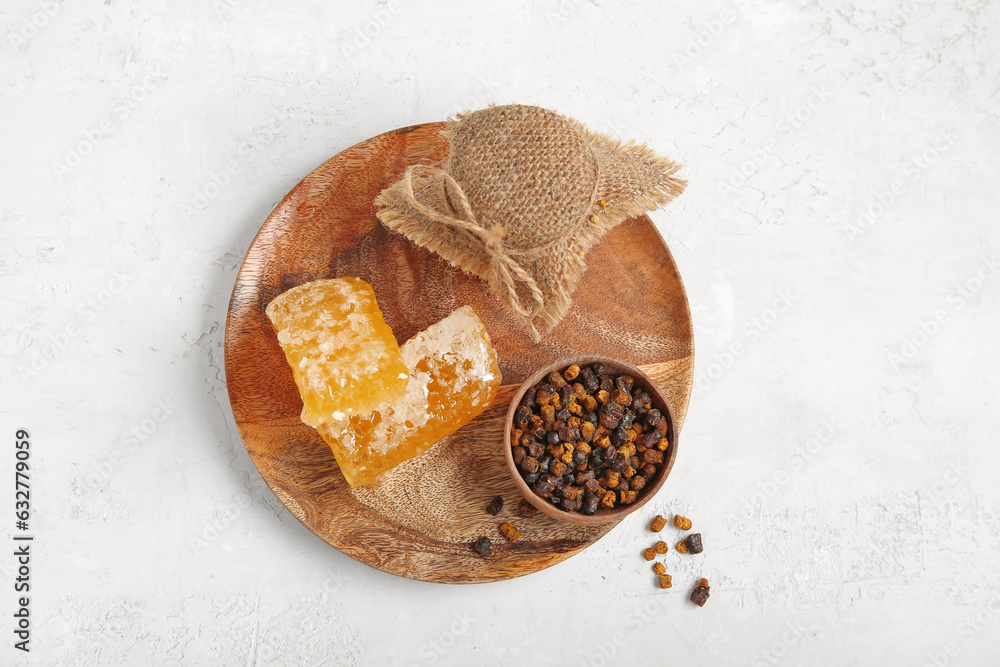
[(603, 515)]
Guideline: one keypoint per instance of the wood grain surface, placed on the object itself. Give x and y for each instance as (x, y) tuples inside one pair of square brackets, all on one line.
[(420, 521)]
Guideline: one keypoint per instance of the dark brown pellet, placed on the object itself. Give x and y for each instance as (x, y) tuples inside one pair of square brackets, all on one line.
[(556, 380), (535, 449), (700, 593), (522, 415), (572, 505), (650, 439), (610, 414), (483, 547), (568, 434), (542, 488), (529, 397), (495, 506), (526, 510)]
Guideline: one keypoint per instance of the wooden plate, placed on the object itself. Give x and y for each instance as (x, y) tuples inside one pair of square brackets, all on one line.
[(421, 521)]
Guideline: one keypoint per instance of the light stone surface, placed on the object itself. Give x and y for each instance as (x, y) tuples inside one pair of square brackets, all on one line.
[(838, 241)]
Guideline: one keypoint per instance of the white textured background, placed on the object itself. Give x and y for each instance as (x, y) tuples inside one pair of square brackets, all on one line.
[(840, 456)]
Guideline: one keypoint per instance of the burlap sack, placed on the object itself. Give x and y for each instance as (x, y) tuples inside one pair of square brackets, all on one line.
[(522, 196)]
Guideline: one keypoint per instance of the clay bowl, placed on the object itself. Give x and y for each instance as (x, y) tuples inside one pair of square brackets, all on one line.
[(603, 515)]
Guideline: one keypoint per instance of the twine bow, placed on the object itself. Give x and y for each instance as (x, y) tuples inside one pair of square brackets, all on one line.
[(507, 273)]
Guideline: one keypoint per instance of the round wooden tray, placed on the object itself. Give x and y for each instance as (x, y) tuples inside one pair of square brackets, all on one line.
[(420, 522)]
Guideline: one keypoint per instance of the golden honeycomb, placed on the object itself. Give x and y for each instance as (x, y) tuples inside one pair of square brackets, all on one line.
[(453, 377), (344, 357)]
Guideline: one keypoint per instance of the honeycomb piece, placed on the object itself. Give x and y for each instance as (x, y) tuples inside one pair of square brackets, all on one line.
[(454, 377), (343, 355)]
